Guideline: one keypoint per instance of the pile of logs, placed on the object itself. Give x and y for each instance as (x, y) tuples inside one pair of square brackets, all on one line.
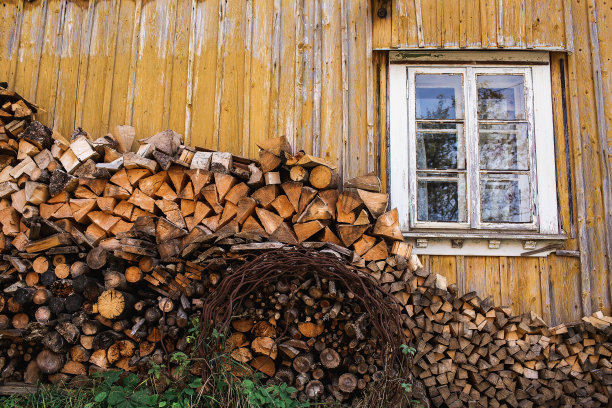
[(111, 245)]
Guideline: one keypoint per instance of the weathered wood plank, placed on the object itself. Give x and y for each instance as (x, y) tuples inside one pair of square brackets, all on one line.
[(287, 68), (11, 20), (260, 76), (357, 80), (207, 30), (175, 112), (152, 77), (73, 31), (331, 93), (46, 91), (98, 77), (121, 98)]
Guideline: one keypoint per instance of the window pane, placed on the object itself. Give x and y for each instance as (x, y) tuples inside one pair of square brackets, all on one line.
[(505, 198), (442, 199), (439, 96), (504, 147), (440, 146), (501, 97)]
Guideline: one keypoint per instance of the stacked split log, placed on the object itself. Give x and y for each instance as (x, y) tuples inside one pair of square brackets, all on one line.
[(111, 245)]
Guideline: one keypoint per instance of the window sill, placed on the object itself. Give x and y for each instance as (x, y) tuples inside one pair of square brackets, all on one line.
[(484, 243), (505, 235)]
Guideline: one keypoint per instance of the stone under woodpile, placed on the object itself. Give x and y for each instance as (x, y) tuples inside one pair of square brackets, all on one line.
[(111, 245)]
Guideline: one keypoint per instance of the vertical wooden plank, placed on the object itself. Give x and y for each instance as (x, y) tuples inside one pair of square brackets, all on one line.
[(190, 72), (511, 24), (445, 266), (566, 302), (528, 14), (504, 278), (84, 65), (248, 60), (298, 72), (404, 26), (547, 23), (261, 75), (49, 61), (11, 20), (547, 313), (151, 84), (460, 262), (306, 98), (65, 101), (426, 261), (418, 9), (287, 68), (451, 23), (473, 29), (357, 79), (344, 166), (382, 26), (207, 28), (98, 75), (474, 275), (275, 74), (488, 23), (370, 149), (120, 105), (463, 23), (331, 92), (231, 109), (316, 98), (563, 157), (134, 55), (524, 285), (604, 141), (493, 279), (431, 16), (108, 88), (591, 214), (179, 60), (30, 48), (380, 119)]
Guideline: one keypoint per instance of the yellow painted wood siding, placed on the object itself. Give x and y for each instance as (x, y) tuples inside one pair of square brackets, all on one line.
[(475, 24), (227, 73)]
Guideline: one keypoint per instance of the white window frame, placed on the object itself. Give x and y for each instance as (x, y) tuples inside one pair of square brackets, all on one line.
[(403, 180)]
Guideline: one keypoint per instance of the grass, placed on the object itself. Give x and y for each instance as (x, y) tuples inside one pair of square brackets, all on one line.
[(50, 396)]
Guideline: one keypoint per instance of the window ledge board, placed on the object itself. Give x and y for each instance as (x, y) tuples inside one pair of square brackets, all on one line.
[(485, 235)]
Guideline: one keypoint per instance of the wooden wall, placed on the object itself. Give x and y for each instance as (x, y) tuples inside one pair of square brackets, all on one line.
[(227, 73), (577, 32)]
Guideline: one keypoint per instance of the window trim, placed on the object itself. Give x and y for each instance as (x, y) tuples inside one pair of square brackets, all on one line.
[(403, 153)]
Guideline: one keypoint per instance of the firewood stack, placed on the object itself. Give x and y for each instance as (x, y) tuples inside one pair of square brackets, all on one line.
[(111, 245)]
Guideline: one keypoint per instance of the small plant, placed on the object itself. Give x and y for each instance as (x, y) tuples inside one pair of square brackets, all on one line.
[(130, 392), (272, 396), (407, 350)]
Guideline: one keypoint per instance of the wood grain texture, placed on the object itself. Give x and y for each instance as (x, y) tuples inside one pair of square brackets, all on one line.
[(233, 72)]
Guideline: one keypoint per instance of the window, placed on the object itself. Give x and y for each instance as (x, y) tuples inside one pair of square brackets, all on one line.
[(472, 147)]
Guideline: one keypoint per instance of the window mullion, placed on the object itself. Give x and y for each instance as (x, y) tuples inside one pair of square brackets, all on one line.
[(471, 137)]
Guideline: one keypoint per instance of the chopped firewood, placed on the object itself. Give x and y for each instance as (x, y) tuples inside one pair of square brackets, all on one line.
[(299, 174), (368, 182), (268, 161), (322, 178), (351, 233), (309, 161), (201, 160), (275, 145), (387, 226), (125, 136)]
